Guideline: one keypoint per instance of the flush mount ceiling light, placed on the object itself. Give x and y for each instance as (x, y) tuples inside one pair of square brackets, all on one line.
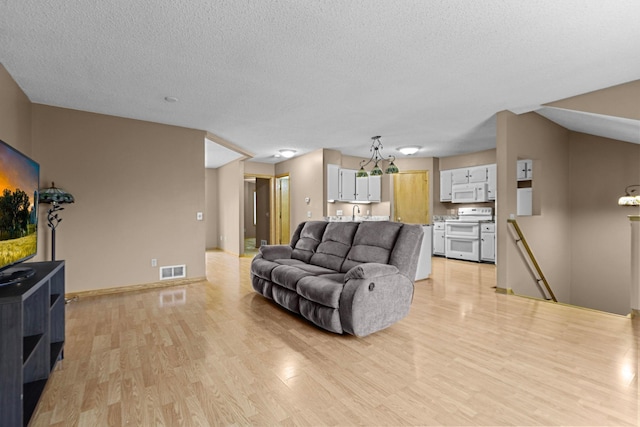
[(628, 199), (409, 150), (376, 147), (287, 153)]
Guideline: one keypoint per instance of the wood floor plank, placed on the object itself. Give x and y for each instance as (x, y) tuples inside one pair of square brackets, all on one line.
[(224, 355)]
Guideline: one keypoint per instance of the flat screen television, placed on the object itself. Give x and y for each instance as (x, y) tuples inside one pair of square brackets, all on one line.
[(19, 184)]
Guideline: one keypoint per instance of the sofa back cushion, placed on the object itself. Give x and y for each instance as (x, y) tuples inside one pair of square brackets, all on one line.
[(308, 240), (406, 252), (335, 245), (373, 242)]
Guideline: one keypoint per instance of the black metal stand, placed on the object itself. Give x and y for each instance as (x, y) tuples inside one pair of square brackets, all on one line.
[(52, 222)]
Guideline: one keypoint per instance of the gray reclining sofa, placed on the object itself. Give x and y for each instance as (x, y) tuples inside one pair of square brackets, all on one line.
[(342, 276)]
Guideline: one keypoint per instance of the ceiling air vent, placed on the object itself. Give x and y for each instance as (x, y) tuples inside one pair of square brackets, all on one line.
[(173, 272)]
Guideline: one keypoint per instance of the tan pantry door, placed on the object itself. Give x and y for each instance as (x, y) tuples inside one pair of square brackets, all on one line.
[(411, 197), (283, 226)]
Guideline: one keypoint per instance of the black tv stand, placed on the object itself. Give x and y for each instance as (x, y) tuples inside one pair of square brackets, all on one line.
[(31, 339), (15, 275)]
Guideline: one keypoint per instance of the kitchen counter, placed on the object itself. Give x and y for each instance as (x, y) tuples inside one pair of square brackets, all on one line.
[(358, 218)]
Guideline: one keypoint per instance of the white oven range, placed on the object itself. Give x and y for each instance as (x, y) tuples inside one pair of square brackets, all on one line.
[(463, 234)]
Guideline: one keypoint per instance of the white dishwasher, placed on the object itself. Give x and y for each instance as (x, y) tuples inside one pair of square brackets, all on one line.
[(438, 238), (424, 259)]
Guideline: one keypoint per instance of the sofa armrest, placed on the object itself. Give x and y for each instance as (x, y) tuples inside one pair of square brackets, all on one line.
[(274, 252), (370, 270), (373, 302)]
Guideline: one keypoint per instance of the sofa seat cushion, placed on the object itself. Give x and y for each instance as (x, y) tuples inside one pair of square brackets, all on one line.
[(289, 261), (325, 289), (335, 245), (261, 267), (287, 276), (373, 242), (315, 269)]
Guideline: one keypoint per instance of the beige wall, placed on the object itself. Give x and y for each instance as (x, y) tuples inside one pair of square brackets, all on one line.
[(579, 235), (620, 101), (304, 172), (259, 169), (601, 265), (211, 213), (138, 187), (485, 157), (530, 136), (231, 204), (306, 179), (15, 114)]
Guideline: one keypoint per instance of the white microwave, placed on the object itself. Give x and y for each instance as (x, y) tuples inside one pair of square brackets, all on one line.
[(469, 193)]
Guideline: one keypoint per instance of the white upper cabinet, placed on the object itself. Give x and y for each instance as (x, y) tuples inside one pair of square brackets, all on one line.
[(362, 189), (368, 189), (333, 183), (460, 176), (375, 188), (470, 175), (525, 170), (445, 186), (343, 186), (492, 180), (347, 185), (478, 174)]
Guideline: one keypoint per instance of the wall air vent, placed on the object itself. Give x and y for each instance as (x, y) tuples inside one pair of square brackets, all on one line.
[(173, 272)]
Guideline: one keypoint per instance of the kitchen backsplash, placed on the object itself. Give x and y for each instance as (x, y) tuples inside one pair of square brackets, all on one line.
[(437, 218)]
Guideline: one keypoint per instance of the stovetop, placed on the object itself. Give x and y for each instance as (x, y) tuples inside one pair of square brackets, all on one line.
[(473, 215)]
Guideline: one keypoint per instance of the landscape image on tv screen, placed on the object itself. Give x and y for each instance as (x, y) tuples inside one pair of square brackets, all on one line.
[(19, 182)]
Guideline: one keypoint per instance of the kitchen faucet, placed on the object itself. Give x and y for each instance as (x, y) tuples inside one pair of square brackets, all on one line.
[(353, 212)]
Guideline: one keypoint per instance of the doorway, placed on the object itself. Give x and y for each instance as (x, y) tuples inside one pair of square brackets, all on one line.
[(258, 207), (283, 226), (411, 197)]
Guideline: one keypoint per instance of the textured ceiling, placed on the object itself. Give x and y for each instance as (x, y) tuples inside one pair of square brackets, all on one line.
[(266, 75)]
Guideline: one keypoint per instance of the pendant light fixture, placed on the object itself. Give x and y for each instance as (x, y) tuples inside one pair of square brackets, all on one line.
[(376, 157)]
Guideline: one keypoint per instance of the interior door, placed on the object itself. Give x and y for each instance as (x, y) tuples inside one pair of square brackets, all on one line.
[(263, 221), (411, 197), (283, 233)]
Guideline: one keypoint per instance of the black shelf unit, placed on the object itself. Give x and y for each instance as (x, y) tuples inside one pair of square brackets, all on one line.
[(32, 339)]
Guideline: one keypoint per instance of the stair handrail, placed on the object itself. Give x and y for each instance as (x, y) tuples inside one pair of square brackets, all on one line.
[(532, 258)]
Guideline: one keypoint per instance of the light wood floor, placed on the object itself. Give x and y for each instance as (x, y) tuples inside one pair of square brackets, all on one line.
[(216, 353)]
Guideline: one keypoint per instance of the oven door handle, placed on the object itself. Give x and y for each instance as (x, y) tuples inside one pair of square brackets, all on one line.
[(463, 237)]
